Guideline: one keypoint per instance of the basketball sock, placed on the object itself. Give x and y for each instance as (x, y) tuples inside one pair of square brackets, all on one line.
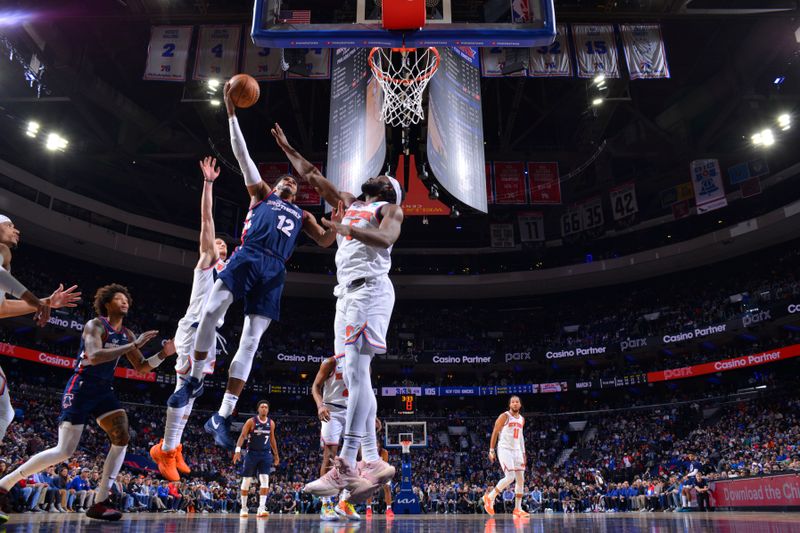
[(111, 466), (360, 398), (228, 405), (187, 411), (344, 496), (262, 501), (244, 501), (518, 502), (369, 444), (172, 428), (197, 368)]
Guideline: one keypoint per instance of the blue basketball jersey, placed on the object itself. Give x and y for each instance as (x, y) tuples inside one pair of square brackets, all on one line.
[(259, 437), (272, 226), (104, 371)]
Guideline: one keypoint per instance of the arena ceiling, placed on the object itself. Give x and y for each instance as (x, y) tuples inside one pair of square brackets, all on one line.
[(135, 143)]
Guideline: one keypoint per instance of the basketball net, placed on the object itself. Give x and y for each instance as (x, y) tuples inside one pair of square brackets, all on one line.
[(406, 445), (403, 74)]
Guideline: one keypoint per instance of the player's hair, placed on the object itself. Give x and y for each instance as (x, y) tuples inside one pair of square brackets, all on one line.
[(104, 295), (280, 178), (262, 402), (514, 396)]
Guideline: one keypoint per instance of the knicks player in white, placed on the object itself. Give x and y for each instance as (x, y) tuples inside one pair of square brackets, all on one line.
[(168, 453), (366, 233), (511, 456), (330, 394)]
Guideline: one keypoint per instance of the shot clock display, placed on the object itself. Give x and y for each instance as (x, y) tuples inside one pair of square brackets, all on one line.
[(405, 404)]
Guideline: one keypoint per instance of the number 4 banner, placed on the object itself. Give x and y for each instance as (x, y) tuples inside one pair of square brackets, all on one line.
[(217, 52), (623, 201), (167, 53), (596, 50)]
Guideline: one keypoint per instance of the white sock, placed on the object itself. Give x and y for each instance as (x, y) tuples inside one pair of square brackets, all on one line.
[(172, 428), (359, 402), (262, 501), (114, 460), (369, 444), (344, 496), (518, 504), (228, 405), (244, 502), (187, 411), (197, 367)]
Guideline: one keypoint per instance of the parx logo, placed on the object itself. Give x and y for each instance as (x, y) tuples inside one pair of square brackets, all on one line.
[(518, 356), (754, 318)]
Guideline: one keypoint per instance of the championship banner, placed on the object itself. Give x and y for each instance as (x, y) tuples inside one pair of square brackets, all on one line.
[(553, 61), (307, 195), (756, 492), (263, 64), (595, 50), (168, 53), (217, 53), (509, 182), (493, 60), (531, 226), (592, 213), (644, 51), (746, 361), (272, 171), (751, 187), (545, 183), (68, 363), (455, 127), (709, 193), (356, 136), (623, 201), (318, 65)]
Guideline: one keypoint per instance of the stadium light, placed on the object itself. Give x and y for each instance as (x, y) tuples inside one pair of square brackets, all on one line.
[(213, 84), (600, 78), (33, 129), (763, 138), (597, 101), (56, 142), (785, 121), (214, 101)]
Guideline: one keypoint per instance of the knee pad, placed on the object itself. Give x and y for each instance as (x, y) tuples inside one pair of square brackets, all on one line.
[(263, 480), (246, 484)]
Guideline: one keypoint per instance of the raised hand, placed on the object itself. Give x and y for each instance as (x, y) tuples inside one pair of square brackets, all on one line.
[(338, 227), (144, 338), (209, 168), (168, 349), (337, 215), (64, 298), (280, 137)]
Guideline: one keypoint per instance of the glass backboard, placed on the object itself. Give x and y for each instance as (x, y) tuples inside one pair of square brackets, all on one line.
[(357, 23)]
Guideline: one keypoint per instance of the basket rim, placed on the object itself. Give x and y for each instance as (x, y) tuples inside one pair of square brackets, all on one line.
[(402, 81)]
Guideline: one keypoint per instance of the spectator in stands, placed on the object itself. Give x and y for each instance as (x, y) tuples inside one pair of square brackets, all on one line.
[(702, 489)]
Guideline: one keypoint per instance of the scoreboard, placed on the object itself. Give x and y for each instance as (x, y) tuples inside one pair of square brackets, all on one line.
[(406, 404)]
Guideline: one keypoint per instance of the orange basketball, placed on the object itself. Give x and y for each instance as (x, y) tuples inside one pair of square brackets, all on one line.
[(244, 91)]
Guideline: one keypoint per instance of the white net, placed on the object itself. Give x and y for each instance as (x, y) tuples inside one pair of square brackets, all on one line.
[(403, 74)]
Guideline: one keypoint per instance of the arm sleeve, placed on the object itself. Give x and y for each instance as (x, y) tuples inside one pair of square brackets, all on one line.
[(9, 284), (249, 169)]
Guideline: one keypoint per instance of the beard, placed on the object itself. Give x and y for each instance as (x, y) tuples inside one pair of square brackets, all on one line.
[(372, 188)]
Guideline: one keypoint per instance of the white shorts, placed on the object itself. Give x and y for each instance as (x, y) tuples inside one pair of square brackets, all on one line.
[(184, 347), (364, 311), (332, 430), (511, 460)]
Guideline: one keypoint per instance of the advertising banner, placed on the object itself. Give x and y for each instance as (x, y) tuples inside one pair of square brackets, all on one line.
[(768, 491)]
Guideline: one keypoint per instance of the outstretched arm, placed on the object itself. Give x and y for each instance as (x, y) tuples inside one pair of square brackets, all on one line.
[(257, 187), (382, 237), (310, 173), (208, 250), (140, 363)]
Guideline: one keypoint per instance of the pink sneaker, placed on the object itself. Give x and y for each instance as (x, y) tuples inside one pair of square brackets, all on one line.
[(375, 474), (341, 476)]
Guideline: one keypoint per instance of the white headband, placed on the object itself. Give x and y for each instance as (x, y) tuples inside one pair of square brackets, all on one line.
[(4, 219), (398, 190)]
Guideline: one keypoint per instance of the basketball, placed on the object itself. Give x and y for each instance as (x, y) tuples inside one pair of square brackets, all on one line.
[(244, 91)]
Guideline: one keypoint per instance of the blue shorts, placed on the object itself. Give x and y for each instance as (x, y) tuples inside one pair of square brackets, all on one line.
[(258, 278), (257, 463), (87, 397)]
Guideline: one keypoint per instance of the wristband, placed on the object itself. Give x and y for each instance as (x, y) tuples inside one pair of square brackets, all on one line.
[(154, 361), (238, 449)]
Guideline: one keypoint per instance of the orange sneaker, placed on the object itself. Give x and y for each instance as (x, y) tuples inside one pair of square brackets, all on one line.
[(180, 464), (369, 512), (519, 513), (165, 461), (488, 505), (389, 512)]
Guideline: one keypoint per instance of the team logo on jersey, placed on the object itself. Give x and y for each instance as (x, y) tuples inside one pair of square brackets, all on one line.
[(66, 401)]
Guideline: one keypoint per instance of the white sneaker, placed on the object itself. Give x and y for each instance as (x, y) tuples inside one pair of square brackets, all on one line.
[(261, 513), (243, 513), (341, 476)]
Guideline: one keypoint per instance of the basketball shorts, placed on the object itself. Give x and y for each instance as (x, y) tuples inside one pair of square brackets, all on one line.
[(84, 397), (511, 460), (258, 278), (257, 463), (363, 313), (332, 429)]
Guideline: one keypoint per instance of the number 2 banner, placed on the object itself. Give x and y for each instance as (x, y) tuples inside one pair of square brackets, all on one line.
[(167, 53), (596, 50), (217, 52)]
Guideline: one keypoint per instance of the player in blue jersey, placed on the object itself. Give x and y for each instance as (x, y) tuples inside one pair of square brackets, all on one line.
[(90, 393), (261, 456), (255, 273)]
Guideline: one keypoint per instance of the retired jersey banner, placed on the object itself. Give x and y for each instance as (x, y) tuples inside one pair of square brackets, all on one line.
[(554, 60), (167, 53), (571, 221), (595, 50), (592, 213), (494, 59), (623, 201), (644, 51), (217, 53), (709, 193), (264, 64), (318, 65), (545, 183), (502, 235), (509, 182), (531, 226)]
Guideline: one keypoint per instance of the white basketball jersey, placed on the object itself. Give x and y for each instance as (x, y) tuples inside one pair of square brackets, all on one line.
[(511, 434), (334, 391), (354, 259), (202, 283)]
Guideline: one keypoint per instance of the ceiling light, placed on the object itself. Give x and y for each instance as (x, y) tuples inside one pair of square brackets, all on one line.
[(597, 101), (214, 102), (767, 139), (785, 121), (56, 142), (600, 78)]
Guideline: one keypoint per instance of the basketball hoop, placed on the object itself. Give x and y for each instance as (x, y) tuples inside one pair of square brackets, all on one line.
[(403, 74), (406, 445)]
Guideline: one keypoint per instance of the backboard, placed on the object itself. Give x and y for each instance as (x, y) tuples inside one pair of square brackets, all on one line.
[(395, 432), (357, 24)]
